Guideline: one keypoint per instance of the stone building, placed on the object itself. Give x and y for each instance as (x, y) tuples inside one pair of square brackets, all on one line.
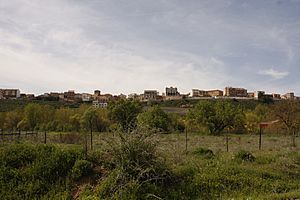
[(10, 93), (150, 95), (199, 93), (171, 91), (215, 93), (235, 92)]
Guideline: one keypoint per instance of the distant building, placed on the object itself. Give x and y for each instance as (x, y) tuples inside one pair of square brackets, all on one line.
[(97, 93), (259, 94), (99, 104), (208, 93), (199, 93), (85, 97), (172, 91), (150, 95), (54, 94), (10, 93), (276, 96), (250, 94), (69, 96), (215, 93), (1, 94), (134, 96), (289, 96), (78, 97), (235, 92)]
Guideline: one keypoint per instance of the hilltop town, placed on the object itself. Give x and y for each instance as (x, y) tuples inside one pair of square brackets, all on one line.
[(171, 93)]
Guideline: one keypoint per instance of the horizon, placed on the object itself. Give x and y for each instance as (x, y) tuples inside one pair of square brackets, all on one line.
[(160, 92), (128, 47)]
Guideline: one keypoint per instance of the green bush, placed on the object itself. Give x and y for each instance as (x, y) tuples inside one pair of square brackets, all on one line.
[(35, 171), (138, 171), (244, 156), (81, 168), (203, 152)]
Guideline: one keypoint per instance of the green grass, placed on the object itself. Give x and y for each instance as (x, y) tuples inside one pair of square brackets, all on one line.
[(205, 171), (9, 105)]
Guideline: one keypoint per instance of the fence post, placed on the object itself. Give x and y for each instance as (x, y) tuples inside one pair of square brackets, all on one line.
[(260, 133), (45, 137), (19, 136), (227, 146), (91, 139), (186, 140)]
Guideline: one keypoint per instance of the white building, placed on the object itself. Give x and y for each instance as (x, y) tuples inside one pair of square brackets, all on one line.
[(86, 97), (99, 104)]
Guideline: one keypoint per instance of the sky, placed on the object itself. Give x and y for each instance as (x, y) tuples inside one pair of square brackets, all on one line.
[(122, 46)]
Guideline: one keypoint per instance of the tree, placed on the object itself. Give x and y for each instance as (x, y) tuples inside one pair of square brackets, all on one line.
[(155, 118), (255, 117), (88, 122), (12, 119), (2, 120), (75, 122), (62, 117), (32, 115), (125, 113), (216, 116), (102, 122), (47, 114), (288, 112)]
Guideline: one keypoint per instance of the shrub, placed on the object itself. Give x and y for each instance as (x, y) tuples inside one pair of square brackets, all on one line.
[(245, 156), (81, 168), (35, 171), (203, 152), (138, 168)]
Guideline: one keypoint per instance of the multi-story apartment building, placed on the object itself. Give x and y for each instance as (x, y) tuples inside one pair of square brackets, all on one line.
[(215, 93), (86, 97), (99, 104), (1, 94), (150, 95), (250, 94), (199, 93), (289, 96), (259, 94), (208, 93), (69, 96), (171, 91), (235, 92), (10, 93), (276, 96)]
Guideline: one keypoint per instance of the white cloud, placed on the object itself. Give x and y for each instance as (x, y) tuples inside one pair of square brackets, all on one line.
[(117, 46), (273, 73)]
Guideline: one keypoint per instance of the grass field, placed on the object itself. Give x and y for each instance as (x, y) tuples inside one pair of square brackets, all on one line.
[(205, 171)]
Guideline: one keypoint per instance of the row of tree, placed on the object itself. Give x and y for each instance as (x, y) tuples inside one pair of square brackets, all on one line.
[(124, 115), (214, 117)]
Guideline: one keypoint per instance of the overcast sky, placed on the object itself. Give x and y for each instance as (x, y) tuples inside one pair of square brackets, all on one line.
[(126, 46)]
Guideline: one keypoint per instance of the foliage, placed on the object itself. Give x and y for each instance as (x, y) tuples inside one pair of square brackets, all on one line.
[(138, 168), (81, 168), (36, 171), (216, 116), (12, 119), (255, 117), (88, 120), (288, 112), (125, 113), (156, 119), (204, 152), (244, 156)]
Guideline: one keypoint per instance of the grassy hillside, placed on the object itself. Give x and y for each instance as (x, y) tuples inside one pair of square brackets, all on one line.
[(143, 166), (8, 105)]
